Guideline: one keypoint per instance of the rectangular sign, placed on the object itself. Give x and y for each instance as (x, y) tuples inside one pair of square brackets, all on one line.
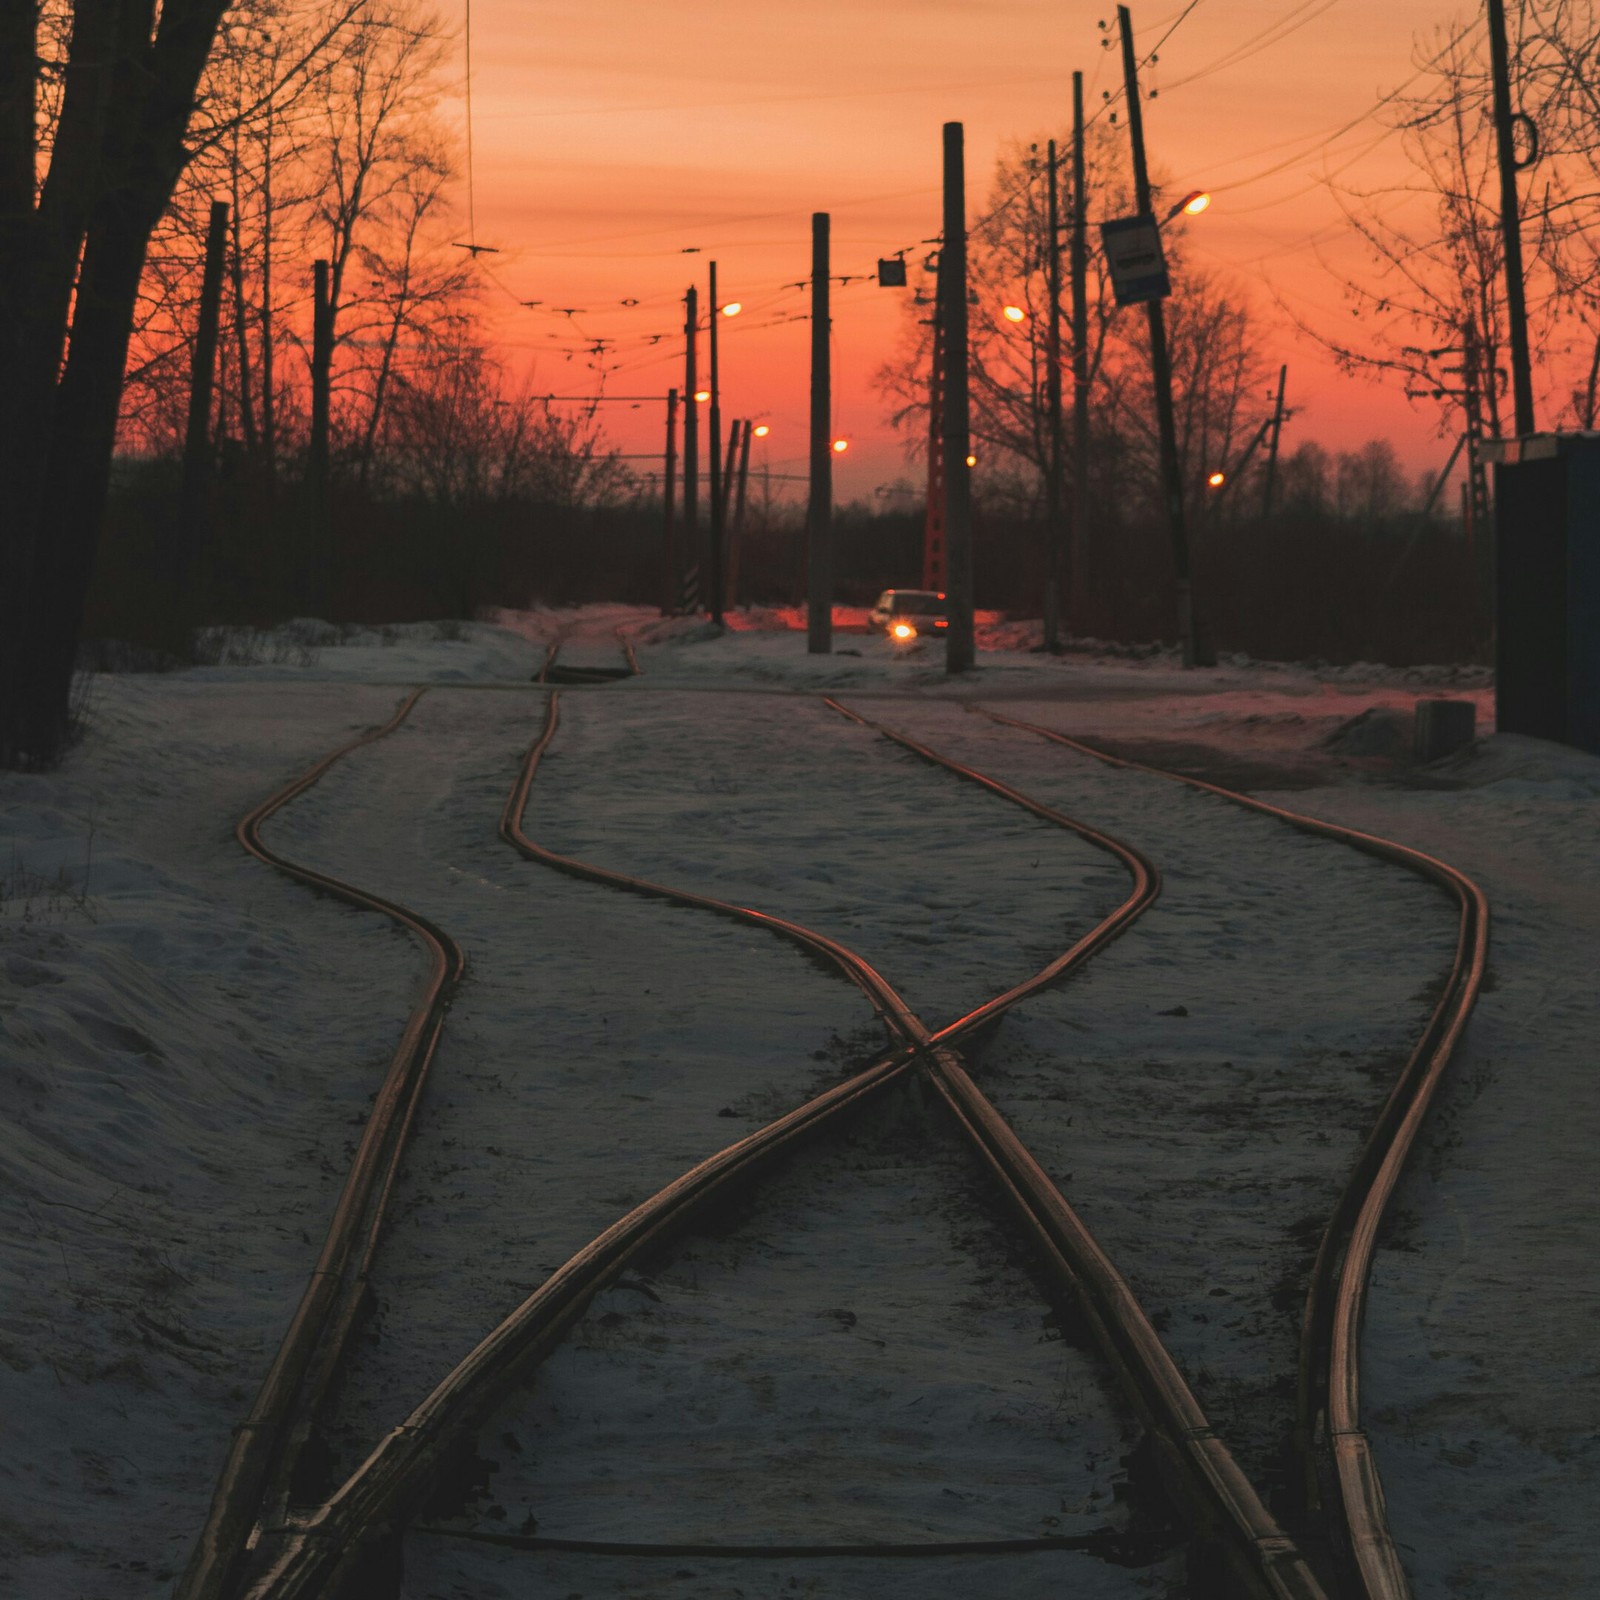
[(1134, 259)]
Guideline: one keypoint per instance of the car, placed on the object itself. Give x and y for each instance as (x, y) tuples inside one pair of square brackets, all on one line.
[(905, 613)]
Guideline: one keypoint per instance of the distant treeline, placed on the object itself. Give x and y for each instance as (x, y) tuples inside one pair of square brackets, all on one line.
[(1364, 583)]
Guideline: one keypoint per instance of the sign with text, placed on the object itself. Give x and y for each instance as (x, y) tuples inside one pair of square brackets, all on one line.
[(1134, 259)]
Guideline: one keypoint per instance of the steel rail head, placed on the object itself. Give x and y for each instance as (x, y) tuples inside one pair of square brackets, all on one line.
[(1336, 1302), (310, 1347)]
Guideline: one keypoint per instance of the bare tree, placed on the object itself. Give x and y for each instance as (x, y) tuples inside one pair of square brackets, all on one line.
[(1212, 339)]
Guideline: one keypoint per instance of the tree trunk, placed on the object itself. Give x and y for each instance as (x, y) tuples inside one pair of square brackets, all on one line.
[(117, 153)]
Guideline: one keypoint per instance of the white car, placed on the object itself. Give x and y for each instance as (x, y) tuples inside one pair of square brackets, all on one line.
[(905, 613)]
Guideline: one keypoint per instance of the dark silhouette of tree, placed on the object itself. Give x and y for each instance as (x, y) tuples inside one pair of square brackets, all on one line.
[(113, 84), (1214, 358)]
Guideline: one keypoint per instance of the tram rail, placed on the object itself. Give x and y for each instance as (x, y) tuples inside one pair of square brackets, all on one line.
[(325, 1550), (1341, 1482)]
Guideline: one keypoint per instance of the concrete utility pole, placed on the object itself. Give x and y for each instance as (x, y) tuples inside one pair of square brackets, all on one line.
[(198, 453), (933, 543), (321, 519), (1081, 565), (1510, 219), (691, 448), (670, 576), (1054, 532), (1271, 481), (1160, 364), (819, 509), (959, 649), (717, 474)]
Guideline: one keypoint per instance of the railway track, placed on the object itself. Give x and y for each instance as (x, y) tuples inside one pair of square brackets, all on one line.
[(1343, 1492), (331, 1547), (573, 659)]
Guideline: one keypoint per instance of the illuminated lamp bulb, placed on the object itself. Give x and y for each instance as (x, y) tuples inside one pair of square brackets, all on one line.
[(972, 461), (1014, 314), (762, 431), (733, 308), (702, 395), (1196, 203), (1217, 479), (840, 446)]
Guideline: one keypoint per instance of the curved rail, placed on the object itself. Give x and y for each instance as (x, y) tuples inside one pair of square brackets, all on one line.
[(1342, 1482), (325, 1550), (260, 1459), (1199, 1470)]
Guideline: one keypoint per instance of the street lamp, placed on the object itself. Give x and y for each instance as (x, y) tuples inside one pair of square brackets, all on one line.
[(840, 446), (733, 308), (1191, 205), (762, 430), (1216, 479), (1013, 313)]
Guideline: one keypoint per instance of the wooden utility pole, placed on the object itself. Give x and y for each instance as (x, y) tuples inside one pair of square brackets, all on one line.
[(1270, 482), (736, 534), (819, 508), (1160, 363), (198, 444), (1054, 532), (715, 454), (1510, 220), (670, 575), (689, 578), (959, 644), (1081, 565), (319, 563)]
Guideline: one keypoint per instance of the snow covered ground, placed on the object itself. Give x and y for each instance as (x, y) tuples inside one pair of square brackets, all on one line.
[(187, 1043)]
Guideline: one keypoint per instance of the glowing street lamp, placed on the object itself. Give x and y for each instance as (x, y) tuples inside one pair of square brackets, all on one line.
[(840, 446), (762, 430), (733, 308), (1191, 205), (1014, 314), (972, 461), (702, 395), (1216, 479)]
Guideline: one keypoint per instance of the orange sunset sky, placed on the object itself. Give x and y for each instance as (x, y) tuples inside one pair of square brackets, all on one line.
[(609, 136)]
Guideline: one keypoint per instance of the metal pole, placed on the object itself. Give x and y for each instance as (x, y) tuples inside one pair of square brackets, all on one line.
[(1160, 364), (691, 437), (1271, 481), (1053, 529), (715, 454), (819, 508), (671, 577), (321, 374), (197, 441), (959, 645), (1079, 587), (1510, 221), (736, 535)]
